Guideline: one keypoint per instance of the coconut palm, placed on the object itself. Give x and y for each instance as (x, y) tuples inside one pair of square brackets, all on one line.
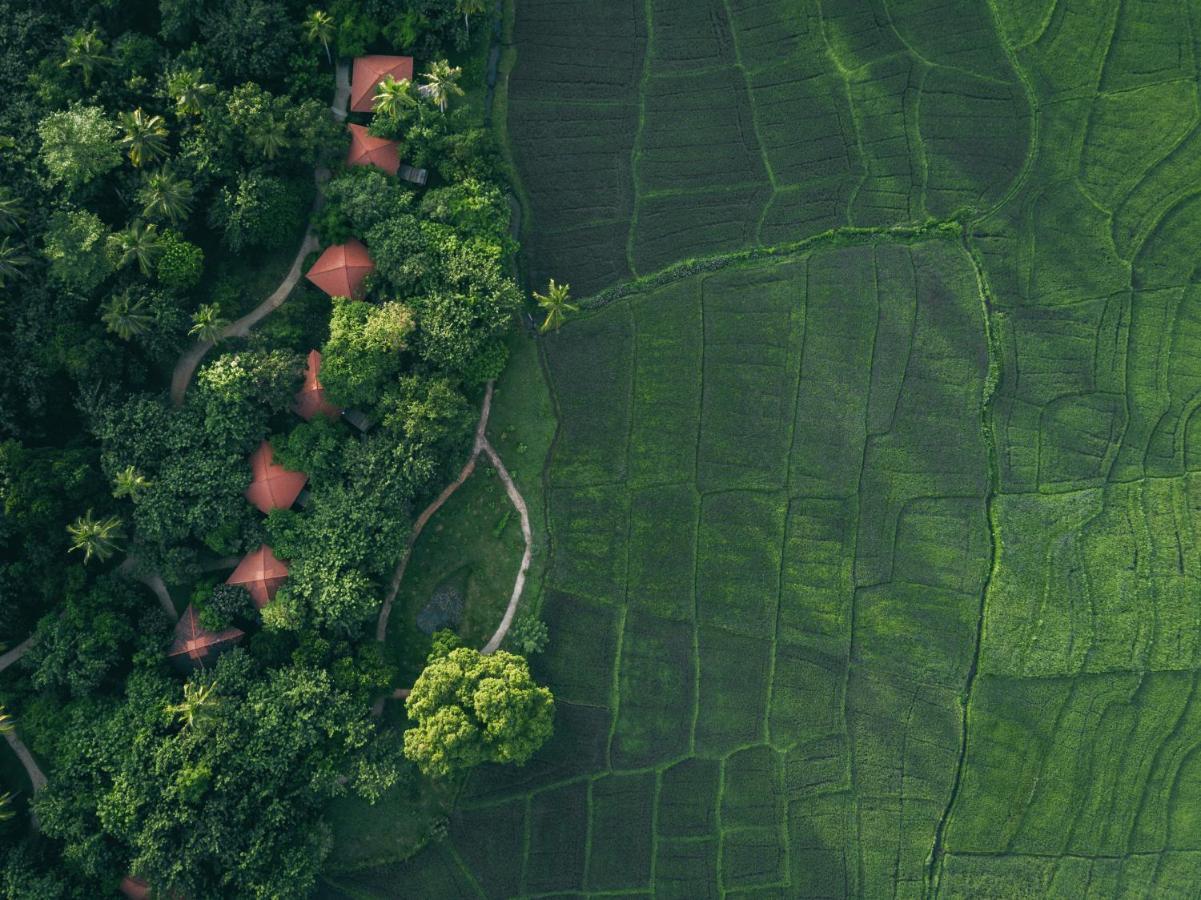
[(557, 303), (207, 323), (189, 91), (124, 317), (85, 51), (6, 810), (12, 211), (319, 26), (140, 243), (392, 96), (12, 260), (442, 81), (95, 537), (268, 135), (470, 8), (166, 196), (129, 483), (200, 703), (145, 136)]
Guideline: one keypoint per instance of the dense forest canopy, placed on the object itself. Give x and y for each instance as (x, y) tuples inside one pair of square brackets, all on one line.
[(161, 161)]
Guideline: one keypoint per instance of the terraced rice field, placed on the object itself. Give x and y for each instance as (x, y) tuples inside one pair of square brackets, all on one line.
[(875, 557)]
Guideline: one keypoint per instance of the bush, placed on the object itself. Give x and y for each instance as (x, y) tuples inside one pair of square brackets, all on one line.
[(226, 604), (262, 211), (528, 635), (181, 262)]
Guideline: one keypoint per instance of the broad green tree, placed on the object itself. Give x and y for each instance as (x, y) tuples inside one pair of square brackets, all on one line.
[(86, 52), (76, 246), (441, 83), (557, 303), (166, 196), (78, 145), (319, 26), (140, 243), (144, 138), (95, 537), (471, 709)]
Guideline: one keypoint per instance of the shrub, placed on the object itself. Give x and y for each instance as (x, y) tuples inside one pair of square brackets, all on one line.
[(181, 262)]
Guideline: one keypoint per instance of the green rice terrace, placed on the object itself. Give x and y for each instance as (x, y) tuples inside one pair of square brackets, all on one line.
[(872, 510)]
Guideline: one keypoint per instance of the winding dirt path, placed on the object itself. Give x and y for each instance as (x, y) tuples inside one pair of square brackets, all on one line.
[(155, 582), (36, 776), (185, 367), (16, 653), (484, 446)]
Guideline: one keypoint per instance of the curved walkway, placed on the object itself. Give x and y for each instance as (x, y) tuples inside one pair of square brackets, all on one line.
[(155, 582), (16, 653), (481, 445), (36, 776), (185, 367)]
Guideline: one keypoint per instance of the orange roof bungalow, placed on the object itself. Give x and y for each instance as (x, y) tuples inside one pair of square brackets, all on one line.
[(272, 486), (368, 150), (134, 888), (261, 573), (341, 269), (197, 646), (369, 71), (310, 399)]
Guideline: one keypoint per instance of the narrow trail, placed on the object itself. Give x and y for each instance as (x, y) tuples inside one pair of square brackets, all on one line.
[(155, 582), (16, 653), (36, 776), (185, 367), (484, 446)]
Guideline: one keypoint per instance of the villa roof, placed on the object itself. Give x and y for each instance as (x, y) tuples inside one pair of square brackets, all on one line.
[(370, 71), (340, 270), (368, 150), (134, 888), (273, 486), (195, 645), (261, 573), (310, 399)]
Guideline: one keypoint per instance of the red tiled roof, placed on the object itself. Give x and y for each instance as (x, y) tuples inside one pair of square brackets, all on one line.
[(261, 573), (273, 486), (197, 645), (370, 71), (340, 270), (134, 888), (367, 150), (310, 399)]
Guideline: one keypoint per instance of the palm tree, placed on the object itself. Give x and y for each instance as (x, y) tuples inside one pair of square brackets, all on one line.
[(12, 211), (319, 26), (6, 799), (164, 195), (189, 91), (470, 8), (199, 704), (12, 260), (207, 323), (85, 51), (129, 483), (95, 537), (557, 303), (145, 136), (125, 318), (140, 242), (268, 135), (441, 81), (392, 96)]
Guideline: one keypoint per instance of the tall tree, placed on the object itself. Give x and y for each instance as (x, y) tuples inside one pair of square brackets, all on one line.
[(125, 316), (78, 144), (12, 260), (207, 323), (129, 482), (442, 82), (392, 97), (145, 137), (95, 537), (12, 211), (189, 90), (268, 135), (319, 26), (140, 243), (557, 303), (85, 51), (200, 703), (166, 196), (470, 8)]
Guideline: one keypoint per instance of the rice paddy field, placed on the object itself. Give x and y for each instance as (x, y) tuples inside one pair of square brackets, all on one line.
[(874, 506)]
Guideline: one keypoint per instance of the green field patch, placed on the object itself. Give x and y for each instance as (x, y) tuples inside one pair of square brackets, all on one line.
[(738, 564), (732, 705), (558, 832), (492, 838), (815, 581), (807, 695), (752, 857), (662, 558), (587, 634), (751, 788), (686, 869), (621, 838), (656, 687), (688, 795), (589, 543)]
